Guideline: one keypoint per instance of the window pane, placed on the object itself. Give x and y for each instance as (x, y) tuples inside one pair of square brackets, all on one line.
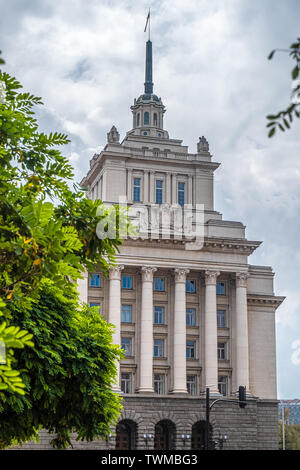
[(126, 313), (190, 349), (223, 384), (158, 348), (190, 286), (126, 282), (95, 304), (159, 192), (159, 315), (159, 383), (181, 194), (146, 117), (159, 284), (220, 288), (136, 189), (191, 384), (221, 318), (190, 317), (155, 119), (126, 346), (126, 382), (95, 280)]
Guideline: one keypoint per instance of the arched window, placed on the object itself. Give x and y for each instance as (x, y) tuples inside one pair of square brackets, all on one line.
[(126, 432), (155, 119), (138, 120), (146, 118)]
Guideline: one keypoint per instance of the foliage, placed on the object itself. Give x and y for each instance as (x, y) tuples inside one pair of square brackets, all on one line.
[(292, 437), (283, 119), (67, 374)]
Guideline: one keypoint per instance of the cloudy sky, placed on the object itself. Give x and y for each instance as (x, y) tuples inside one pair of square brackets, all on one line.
[(86, 60)]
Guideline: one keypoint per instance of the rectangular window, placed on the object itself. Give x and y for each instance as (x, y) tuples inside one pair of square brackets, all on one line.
[(190, 317), (136, 189), (95, 304), (126, 346), (126, 313), (220, 288), (221, 318), (223, 384), (190, 349), (191, 384), (159, 284), (95, 280), (158, 348), (126, 282), (159, 313), (180, 197), (159, 384), (159, 192), (221, 351), (190, 286), (126, 382)]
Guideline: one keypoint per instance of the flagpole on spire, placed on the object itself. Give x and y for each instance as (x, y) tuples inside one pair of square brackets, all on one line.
[(148, 21)]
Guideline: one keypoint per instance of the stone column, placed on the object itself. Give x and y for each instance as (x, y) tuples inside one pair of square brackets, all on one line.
[(114, 311), (190, 190), (211, 336), (146, 186), (168, 188), (174, 188), (152, 186), (179, 359), (146, 351), (242, 347)]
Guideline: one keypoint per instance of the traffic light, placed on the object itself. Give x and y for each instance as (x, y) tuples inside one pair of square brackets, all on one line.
[(242, 396)]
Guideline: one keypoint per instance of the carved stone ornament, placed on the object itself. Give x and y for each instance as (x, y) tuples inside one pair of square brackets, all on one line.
[(241, 279), (113, 135), (147, 273), (180, 274), (202, 145), (115, 272), (211, 277)]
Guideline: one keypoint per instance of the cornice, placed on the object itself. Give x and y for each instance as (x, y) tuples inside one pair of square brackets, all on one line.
[(265, 299)]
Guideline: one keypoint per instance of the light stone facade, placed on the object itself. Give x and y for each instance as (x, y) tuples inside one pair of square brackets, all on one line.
[(236, 348)]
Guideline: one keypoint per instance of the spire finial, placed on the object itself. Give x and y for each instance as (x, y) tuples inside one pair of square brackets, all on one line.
[(148, 71)]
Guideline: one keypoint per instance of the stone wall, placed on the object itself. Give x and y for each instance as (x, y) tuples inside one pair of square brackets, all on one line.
[(251, 428)]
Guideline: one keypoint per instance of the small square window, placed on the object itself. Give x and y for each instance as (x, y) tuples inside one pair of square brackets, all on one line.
[(126, 346), (126, 382), (221, 288), (159, 284), (221, 351), (95, 280), (126, 282), (223, 384), (191, 384), (158, 348), (126, 313), (191, 349), (159, 384), (190, 286), (159, 313)]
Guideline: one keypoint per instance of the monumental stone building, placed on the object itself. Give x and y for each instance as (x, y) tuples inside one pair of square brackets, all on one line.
[(188, 315), (189, 310)]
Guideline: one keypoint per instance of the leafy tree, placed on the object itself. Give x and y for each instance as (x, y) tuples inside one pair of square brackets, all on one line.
[(283, 119), (68, 372), (47, 234), (292, 437)]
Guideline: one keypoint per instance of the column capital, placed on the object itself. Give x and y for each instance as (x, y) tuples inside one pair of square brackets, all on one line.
[(180, 274), (147, 273), (115, 272), (241, 279), (211, 277)]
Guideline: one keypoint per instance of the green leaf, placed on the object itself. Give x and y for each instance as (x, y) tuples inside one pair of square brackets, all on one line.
[(270, 56), (272, 132), (295, 72)]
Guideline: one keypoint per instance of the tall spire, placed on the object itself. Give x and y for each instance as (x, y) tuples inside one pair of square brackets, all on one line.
[(148, 72)]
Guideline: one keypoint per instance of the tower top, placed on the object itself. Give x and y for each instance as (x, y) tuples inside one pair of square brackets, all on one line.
[(148, 69)]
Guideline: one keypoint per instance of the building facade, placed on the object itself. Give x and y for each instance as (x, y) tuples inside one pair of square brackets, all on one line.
[(189, 310)]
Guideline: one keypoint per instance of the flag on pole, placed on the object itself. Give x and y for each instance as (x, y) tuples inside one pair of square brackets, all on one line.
[(147, 21)]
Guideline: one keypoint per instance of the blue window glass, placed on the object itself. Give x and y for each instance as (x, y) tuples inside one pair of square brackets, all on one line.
[(181, 193), (126, 282), (158, 348), (93, 304), (190, 349), (220, 288), (138, 120), (126, 313), (95, 280), (146, 118), (126, 346), (159, 284), (136, 189), (190, 317), (159, 313), (190, 286), (221, 318), (159, 192), (155, 119)]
